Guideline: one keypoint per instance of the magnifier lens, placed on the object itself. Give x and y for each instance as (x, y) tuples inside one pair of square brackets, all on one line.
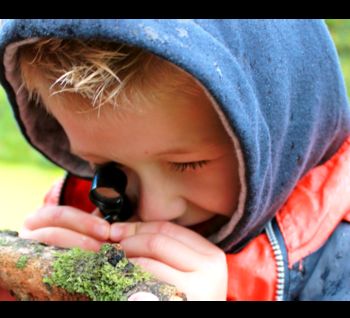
[(106, 193)]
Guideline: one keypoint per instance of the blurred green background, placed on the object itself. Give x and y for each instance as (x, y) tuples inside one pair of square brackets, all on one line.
[(25, 176)]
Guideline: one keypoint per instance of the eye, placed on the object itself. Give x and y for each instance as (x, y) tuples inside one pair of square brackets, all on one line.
[(183, 166)]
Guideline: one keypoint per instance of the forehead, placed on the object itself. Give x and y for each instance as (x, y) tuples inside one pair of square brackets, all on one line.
[(170, 124)]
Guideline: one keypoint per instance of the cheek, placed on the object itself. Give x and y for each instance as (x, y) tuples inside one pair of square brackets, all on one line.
[(216, 189)]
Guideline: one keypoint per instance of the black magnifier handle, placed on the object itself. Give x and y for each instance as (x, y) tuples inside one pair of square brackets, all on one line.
[(108, 193)]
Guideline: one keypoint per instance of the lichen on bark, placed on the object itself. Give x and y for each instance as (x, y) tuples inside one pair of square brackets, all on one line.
[(54, 273), (106, 275), (22, 261)]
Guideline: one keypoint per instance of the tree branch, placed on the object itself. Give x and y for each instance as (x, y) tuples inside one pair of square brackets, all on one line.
[(35, 271)]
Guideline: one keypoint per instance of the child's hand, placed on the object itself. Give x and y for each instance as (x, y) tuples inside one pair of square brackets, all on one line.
[(66, 227), (176, 255)]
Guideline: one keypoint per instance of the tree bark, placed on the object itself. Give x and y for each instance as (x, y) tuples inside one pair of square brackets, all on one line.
[(25, 263)]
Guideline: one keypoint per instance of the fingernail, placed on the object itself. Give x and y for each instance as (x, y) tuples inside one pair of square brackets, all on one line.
[(116, 232), (102, 231), (143, 296), (23, 233)]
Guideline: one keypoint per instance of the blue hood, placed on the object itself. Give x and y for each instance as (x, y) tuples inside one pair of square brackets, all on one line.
[(276, 84)]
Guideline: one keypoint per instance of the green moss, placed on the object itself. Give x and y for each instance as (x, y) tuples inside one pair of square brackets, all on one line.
[(91, 274), (38, 249), (22, 262)]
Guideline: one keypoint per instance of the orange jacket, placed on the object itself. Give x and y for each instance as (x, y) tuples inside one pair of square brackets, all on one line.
[(318, 204)]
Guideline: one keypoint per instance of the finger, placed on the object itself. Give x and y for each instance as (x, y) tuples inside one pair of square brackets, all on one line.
[(161, 271), (163, 248), (143, 296), (69, 218), (190, 238), (62, 238)]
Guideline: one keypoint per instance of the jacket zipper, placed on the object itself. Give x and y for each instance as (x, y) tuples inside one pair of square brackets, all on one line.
[(277, 252)]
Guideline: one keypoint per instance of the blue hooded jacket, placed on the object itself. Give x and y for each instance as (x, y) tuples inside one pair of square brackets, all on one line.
[(276, 84)]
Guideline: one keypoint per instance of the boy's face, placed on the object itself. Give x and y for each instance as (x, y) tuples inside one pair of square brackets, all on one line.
[(154, 148)]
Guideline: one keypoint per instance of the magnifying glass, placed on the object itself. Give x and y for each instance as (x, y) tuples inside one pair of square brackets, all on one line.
[(108, 193)]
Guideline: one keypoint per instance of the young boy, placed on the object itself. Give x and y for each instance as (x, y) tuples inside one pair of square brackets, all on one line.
[(233, 136)]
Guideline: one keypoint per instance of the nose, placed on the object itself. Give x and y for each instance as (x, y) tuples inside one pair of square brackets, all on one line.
[(157, 197), (160, 207)]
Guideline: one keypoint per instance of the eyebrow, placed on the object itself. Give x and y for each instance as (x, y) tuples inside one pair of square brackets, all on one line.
[(171, 151), (176, 151), (182, 151)]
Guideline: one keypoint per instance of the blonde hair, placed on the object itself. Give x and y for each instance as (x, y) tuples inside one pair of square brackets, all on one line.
[(100, 71)]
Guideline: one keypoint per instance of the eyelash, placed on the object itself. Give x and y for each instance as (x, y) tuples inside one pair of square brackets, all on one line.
[(183, 166)]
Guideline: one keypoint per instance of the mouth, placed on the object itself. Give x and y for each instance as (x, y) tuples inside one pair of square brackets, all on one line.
[(209, 226)]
